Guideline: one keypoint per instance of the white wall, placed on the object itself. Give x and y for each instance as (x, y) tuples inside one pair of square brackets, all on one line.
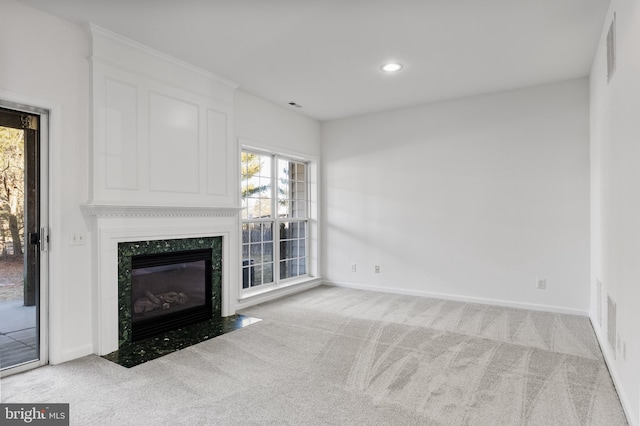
[(472, 198), (44, 62), (615, 206), (275, 127)]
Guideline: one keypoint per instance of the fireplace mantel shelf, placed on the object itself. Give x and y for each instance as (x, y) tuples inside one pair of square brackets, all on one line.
[(110, 210)]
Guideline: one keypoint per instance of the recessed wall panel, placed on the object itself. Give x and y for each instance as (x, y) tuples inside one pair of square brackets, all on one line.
[(173, 145), (121, 136), (217, 152)]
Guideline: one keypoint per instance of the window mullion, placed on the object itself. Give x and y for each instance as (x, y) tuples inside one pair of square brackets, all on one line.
[(276, 219), (307, 245)]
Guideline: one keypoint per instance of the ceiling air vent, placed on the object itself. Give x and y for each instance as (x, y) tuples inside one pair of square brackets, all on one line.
[(611, 49)]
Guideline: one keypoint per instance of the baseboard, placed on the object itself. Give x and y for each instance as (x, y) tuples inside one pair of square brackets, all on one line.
[(276, 294), (609, 360), (468, 299), (71, 354)]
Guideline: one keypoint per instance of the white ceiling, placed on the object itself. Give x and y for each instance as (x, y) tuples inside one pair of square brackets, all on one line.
[(325, 54)]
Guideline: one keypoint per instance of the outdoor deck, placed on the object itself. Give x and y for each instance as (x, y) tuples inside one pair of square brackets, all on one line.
[(18, 336)]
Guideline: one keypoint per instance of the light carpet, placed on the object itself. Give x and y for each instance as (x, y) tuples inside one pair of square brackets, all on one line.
[(340, 356)]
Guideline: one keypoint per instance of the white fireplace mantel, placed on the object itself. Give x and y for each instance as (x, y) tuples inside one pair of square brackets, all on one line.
[(116, 223), (113, 210)]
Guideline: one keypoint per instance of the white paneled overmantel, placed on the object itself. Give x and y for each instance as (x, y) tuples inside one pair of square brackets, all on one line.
[(162, 129)]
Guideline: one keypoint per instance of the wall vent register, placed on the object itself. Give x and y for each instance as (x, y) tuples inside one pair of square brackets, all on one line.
[(611, 324), (611, 49)]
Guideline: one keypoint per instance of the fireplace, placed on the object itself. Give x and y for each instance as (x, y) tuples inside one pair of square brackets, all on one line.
[(165, 285), (169, 290)]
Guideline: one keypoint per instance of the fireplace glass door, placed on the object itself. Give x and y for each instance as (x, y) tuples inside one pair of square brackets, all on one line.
[(169, 290)]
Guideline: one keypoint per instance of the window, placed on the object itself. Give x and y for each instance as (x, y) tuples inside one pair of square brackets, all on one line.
[(275, 219)]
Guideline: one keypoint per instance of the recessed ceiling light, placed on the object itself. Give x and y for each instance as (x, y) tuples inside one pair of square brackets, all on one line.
[(391, 67)]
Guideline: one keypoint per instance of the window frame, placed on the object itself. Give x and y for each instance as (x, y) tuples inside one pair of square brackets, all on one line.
[(275, 220)]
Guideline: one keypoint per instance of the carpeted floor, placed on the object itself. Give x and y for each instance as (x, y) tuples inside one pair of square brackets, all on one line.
[(339, 356)]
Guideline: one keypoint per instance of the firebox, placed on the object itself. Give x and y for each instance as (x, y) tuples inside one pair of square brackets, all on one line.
[(169, 291)]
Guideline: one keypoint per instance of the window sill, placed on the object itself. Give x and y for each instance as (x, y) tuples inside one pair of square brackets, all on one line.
[(282, 289)]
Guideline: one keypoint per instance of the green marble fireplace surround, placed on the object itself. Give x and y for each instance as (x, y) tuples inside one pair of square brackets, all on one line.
[(127, 250), (132, 353)]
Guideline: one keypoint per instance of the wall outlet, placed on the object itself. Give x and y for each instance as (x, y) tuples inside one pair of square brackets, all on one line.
[(541, 283), (377, 269), (353, 268), (77, 239)]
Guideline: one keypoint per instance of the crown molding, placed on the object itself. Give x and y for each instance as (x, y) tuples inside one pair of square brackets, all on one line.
[(95, 29)]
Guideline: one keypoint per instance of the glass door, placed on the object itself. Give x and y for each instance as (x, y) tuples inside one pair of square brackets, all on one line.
[(20, 238)]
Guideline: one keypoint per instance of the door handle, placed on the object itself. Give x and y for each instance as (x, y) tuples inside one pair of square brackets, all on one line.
[(34, 238)]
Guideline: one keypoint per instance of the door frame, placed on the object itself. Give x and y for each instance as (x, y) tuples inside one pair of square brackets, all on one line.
[(25, 104)]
